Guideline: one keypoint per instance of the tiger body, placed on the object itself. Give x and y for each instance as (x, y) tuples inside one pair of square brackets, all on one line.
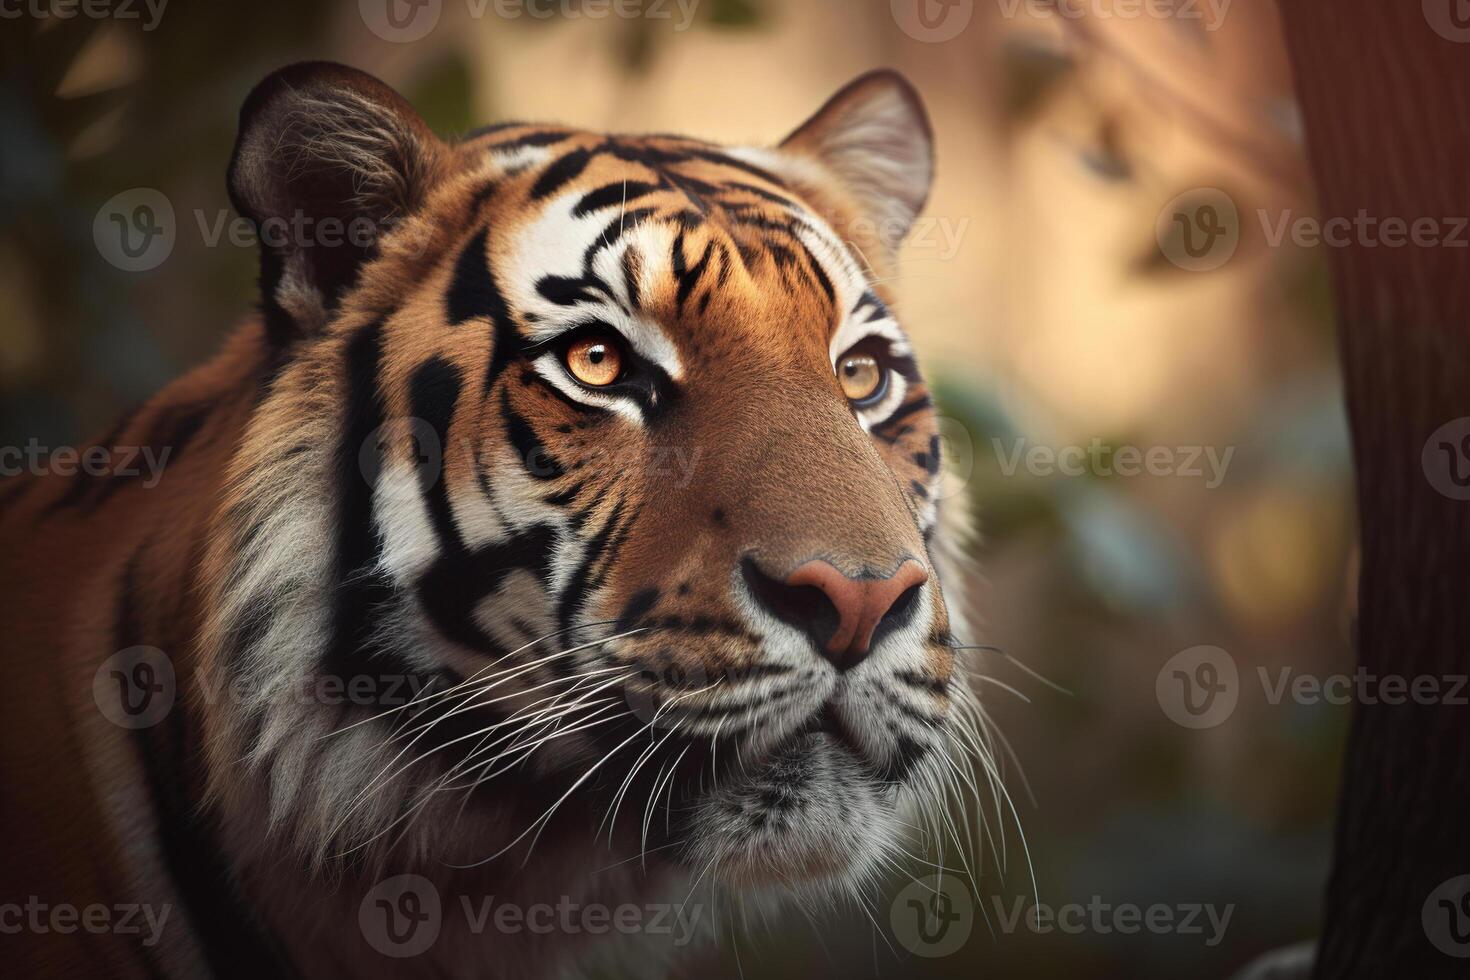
[(426, 603)]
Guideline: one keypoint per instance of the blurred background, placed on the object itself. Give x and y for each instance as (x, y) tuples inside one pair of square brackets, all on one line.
[(1061, 299)]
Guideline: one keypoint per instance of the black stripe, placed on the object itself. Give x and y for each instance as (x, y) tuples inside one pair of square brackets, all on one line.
[(611, 235), (83, 483), (688, 276), (473, 292), (909, 753), (564, 291), (632, 267), (361, 590), (565, 497), (451, 589), (578, 588), (820, 273), (761, 192), (726, 161), (170, 435), (922, 681), (539, 138), (433, 393), (609, 195), (534, 456), (234, 943), (246, 630), (904, 411), (640, 605), (562, 170), (614, 547)]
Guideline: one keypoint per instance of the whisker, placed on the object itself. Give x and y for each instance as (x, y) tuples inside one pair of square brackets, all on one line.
[(999, 652)]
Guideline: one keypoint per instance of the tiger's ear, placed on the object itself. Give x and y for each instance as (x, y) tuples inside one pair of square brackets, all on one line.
[(326, 160), (874, 137)]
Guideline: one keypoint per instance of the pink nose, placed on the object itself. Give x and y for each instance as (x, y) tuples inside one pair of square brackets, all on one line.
[(861, 603)]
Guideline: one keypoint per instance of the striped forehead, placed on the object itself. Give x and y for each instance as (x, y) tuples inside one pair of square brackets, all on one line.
[(604, 233), (569, 265)]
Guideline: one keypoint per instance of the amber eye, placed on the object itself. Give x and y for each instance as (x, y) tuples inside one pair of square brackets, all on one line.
[(594, 361), (861, 376)]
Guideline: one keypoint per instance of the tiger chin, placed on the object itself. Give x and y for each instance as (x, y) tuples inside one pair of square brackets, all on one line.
[(563, 530)]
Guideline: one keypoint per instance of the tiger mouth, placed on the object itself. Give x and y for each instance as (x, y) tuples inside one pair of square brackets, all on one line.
[(823, 734), (827, 722), (813, 808)]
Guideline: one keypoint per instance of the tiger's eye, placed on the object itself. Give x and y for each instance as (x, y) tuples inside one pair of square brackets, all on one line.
[(594, 361), (861, 376)]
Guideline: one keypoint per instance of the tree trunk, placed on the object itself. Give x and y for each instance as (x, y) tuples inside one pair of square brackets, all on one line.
[(1385, 92)]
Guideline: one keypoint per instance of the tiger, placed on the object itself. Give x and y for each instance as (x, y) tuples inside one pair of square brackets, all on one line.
[(565, 527)]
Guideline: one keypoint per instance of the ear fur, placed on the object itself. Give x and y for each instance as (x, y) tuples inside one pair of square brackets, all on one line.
[(327, 158), (875, 139)]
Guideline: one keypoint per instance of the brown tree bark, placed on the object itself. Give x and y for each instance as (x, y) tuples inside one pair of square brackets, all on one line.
[(1385, 90)]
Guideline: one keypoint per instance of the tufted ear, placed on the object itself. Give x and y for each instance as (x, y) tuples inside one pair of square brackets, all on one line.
[(326, 160), (874, 137)]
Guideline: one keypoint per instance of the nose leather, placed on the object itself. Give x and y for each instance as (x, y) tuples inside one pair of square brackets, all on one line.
[(861, 603)]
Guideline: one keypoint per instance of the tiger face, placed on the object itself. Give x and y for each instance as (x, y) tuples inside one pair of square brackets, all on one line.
[(617, 447)]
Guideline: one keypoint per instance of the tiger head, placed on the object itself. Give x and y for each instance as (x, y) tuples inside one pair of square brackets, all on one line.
[(615, 448)]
